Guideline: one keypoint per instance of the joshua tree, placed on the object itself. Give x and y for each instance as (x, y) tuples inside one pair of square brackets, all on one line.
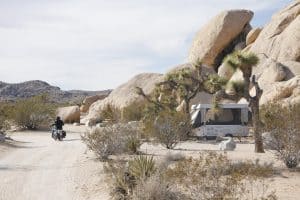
[(182, 86), (245, 61)]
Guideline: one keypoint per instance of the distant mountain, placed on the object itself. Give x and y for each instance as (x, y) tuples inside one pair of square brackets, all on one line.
[(15, 91)]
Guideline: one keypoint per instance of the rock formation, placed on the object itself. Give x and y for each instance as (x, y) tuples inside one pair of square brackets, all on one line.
[(70, 114), (123, 96), (88, 101), (217, 34)]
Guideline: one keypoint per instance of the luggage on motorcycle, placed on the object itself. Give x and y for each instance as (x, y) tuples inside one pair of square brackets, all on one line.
[(64, 134)]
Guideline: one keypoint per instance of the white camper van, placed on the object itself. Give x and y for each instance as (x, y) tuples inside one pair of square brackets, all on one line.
[(231, 120)]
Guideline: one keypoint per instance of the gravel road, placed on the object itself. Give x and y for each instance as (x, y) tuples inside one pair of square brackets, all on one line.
[(39, 168)]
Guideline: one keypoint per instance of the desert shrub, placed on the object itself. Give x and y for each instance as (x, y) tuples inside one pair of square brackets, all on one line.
[(155, 187), (171, 157), (139, 179), (33, 112), (113, 140), (169, 128), (283, 124), (119, 179), (133, 143), (125, 176), (142, 167), (213, 176), (5, 115), (111, 114), (133, 112)]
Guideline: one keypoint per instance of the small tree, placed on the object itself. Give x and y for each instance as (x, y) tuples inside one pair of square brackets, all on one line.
[(33, 112), (283, 123)]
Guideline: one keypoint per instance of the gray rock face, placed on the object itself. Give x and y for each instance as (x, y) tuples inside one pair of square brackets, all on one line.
[(12, 92)]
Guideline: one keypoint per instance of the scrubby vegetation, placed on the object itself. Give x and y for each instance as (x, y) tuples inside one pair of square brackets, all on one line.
[(113, 140), (211, 176), (5, 115), (33, 112), (169, 128), (133, 112), (283, 124)]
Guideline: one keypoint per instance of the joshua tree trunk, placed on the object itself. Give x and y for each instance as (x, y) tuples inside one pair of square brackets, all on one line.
[(256, 126), (254, 105)]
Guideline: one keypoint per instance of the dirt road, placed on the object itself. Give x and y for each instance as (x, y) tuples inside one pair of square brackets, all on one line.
[(39, 168)]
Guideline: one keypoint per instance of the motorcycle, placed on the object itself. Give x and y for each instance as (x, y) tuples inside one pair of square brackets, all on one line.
[(57, 134)]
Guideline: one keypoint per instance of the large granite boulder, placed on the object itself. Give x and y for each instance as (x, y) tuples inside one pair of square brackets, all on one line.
[(285, 92), (70, 114), (217, 34), (88, 101), (123, 96), (252, 35)]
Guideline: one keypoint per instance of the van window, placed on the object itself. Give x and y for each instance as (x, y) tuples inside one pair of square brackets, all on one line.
[(226, 116)]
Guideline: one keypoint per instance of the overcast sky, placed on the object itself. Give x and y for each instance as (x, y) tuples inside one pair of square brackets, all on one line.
[(100, 44)]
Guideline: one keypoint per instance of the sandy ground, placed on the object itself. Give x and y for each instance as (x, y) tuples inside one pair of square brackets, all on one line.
[(35, 167)]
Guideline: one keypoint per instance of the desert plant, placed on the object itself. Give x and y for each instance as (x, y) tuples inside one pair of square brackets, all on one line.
[(155, 188), (111, 114), (133, 112), (169, 128), (283, 123), (121, 182), (181, 86), (33, 112), (113, 140), (244, 61), (214, 176), (133, 142), (5, 115), (142, 167), (171, 157)]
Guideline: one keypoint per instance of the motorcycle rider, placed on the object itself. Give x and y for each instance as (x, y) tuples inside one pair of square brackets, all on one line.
[(59, 126), (58, 123)]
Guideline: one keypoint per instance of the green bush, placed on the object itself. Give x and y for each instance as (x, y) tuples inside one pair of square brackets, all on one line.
[(33, 112)]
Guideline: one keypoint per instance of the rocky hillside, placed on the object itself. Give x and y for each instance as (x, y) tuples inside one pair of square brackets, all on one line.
[(276, 44), (12, 92)]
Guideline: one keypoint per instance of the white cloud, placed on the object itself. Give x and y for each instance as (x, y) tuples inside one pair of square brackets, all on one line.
[(98, 44)]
